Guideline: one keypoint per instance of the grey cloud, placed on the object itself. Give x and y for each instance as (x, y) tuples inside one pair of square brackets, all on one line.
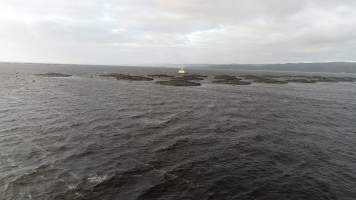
[(177, 31)]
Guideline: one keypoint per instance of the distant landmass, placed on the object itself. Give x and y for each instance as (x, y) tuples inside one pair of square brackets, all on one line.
[(335, 67)]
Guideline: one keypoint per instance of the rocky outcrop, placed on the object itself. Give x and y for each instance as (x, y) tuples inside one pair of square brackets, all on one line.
[(282, 79), (334, 79), (191, 77), (270, 81), (264, 79), (128, 77), (231, 80), (53, 75), (178, 82), (302, 80), (160, 76)]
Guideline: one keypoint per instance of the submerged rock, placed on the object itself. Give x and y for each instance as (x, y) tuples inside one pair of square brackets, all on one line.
[(54, 75), (177, 82), (128, 77)]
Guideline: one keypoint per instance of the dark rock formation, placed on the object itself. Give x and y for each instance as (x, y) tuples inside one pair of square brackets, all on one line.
[(302, 80), (264, 79), (54, 75), (183, 80), (160, 76), (178, 82), (231, 80), (334, 79), (198, 75), (270, 81), (296, 78), (128, 77), (190, 77)]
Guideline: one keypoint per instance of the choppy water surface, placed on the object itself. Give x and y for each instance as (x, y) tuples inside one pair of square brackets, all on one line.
[(85, 137)]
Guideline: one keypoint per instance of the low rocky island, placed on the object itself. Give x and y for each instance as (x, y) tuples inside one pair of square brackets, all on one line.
[(270, 81), (128, 77), (53, 75), (191, 77), (302, 80), (264, 79), (334, 79), (178, 82), (283, 79), (160, 76), (231, 80), (182, 80)]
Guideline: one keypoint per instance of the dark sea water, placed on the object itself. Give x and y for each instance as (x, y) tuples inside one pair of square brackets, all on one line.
[(86, 137)]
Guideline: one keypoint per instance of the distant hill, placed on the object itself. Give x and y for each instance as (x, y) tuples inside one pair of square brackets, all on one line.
[(335, 67)]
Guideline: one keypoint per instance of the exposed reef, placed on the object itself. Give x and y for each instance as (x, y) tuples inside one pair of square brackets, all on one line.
[(52, 75), (282, 79), (178, 82), (183, 80), (270, 81), (160, 76), (334, 79), (128, 77), (191, 77), (231, 80), (264, 79), (194, 79), (302, 80)]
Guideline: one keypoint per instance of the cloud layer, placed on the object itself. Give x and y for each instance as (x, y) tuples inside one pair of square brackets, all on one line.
[(177, 31)]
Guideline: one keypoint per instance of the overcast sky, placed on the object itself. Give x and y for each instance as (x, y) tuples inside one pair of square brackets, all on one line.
[(177, 31)]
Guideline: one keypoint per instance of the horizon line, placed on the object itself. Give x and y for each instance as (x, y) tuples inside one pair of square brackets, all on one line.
[(172, 64)]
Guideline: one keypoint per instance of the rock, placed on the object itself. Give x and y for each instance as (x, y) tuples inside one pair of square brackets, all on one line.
[(54, 75), (252, 77), (128, 77), (184, 80), (228, 79), (232, 82), (191, 77), (160, 76), (264, 79), (177, 82), (198, 75), (270, 81), (334, 79), (281, 79), (302, 80)]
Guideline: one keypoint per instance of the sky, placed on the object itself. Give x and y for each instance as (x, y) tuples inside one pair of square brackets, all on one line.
[(130, 32)]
